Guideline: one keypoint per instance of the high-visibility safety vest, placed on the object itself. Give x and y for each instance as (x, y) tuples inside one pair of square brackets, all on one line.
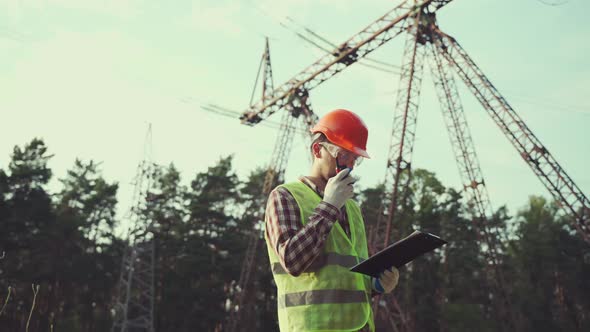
[(326, 296)]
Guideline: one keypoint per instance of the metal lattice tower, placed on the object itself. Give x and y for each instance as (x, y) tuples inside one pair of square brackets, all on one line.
[(134, 309), (473, 182), (534, 153), (417, 18), (398, 173), (242, 304), (399, 162)]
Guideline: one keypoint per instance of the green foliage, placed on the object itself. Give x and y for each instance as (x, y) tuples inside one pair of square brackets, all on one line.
[(89, 197), (552, 285), (65, 242), (459, 317)]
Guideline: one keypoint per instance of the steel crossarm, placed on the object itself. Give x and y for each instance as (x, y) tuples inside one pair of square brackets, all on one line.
[(534, 153), (358, 46)]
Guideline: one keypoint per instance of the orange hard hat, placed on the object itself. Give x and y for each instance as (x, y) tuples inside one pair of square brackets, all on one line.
[(344, 129)]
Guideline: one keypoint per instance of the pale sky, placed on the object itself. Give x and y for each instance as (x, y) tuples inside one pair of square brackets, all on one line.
[(88, 76)]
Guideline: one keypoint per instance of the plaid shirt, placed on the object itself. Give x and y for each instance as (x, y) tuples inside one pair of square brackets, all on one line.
[(298, 245)]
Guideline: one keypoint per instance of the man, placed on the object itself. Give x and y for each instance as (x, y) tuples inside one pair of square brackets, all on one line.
[(315, 232)]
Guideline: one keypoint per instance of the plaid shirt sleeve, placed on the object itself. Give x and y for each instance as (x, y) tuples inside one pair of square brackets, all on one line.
[(297, 245)]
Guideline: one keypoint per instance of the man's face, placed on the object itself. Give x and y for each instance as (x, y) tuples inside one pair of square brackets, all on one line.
[(333, 159)]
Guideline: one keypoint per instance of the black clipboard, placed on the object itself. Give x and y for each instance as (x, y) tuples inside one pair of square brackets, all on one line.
[(399, 254)]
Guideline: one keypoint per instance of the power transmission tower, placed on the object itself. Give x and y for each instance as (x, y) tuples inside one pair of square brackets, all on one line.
[(418, 19), (296, 107), (134, 307), (418, 45)]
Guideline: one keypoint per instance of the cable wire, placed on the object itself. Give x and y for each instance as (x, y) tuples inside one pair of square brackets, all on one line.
[(324, 49)]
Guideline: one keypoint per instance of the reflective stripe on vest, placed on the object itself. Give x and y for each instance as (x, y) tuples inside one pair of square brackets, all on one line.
[(321, 296), (331, 258)]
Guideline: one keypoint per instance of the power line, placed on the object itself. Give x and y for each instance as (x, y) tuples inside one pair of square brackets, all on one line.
[(546, 104), (313, 33), (554, 108), (13, 35), (375, 66), (330, 52), (553, 3), (219, 110)]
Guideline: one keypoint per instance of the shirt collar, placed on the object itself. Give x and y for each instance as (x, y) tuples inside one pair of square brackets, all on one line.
[(312, 185)]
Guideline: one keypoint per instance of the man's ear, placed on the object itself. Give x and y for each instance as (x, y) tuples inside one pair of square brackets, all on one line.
[(316, 149)]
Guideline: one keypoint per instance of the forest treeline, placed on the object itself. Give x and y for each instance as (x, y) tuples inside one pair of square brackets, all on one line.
[(64, 243)]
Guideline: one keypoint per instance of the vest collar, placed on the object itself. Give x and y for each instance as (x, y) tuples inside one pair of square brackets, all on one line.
[(312, 185)]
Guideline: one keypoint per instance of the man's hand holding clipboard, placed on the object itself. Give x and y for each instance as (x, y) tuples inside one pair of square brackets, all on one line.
[(399, 253)]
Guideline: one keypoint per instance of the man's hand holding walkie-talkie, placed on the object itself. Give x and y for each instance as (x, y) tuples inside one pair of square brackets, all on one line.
[(339, 188)]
